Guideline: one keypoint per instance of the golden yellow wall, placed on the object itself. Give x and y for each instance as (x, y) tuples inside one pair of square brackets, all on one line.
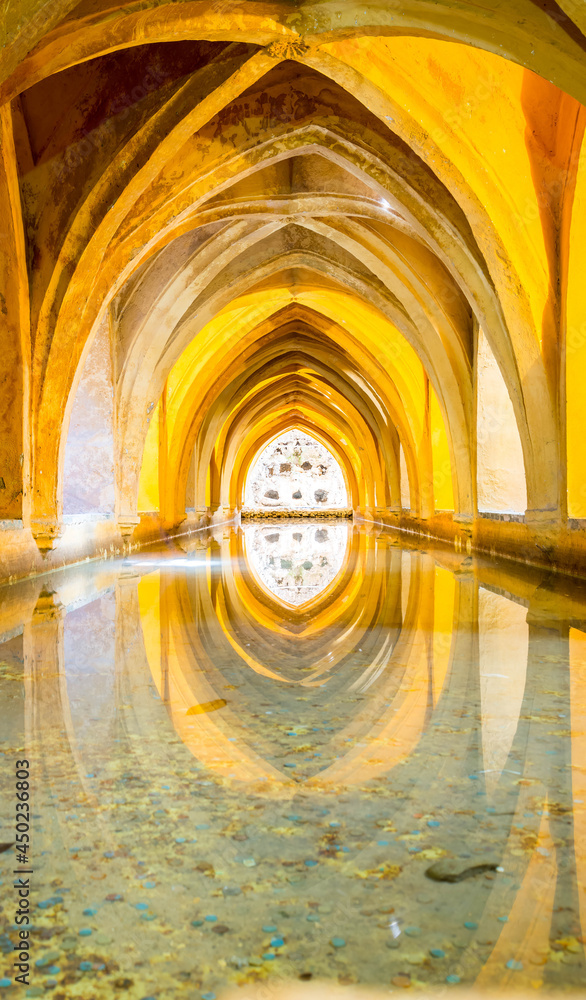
[(148, 490), (576, 350)]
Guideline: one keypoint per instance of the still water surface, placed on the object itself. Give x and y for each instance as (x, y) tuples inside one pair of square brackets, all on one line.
[(297, 751)]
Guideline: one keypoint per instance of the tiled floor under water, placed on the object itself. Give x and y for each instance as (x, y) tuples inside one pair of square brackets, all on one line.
[(303, 751)]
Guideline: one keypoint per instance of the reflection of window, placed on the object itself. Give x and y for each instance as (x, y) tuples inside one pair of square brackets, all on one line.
[(295, 472), (296, 562)]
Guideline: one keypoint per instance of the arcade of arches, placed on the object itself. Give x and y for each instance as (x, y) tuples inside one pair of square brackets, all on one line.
[(222, 220), (293, 496)]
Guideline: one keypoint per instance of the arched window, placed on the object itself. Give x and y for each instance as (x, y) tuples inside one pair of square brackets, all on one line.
[(297, 473)]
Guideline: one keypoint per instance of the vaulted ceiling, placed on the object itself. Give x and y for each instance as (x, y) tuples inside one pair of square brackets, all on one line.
[(293, 214)]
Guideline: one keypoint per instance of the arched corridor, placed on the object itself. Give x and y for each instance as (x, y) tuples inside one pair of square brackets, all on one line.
[(222, 222), (293, 354)]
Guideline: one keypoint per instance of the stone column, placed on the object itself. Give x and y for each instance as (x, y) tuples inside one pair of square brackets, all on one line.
[(14, 336), (43, 671), (49, 734), (425, 461), (130, 651), (548, 755)]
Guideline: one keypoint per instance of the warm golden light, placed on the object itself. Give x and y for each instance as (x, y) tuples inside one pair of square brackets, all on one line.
[(292, 354)]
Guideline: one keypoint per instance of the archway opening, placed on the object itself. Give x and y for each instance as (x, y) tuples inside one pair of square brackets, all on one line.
[(295, 474)]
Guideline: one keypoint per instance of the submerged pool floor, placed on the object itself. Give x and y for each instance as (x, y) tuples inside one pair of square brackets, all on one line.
[(300, 751)]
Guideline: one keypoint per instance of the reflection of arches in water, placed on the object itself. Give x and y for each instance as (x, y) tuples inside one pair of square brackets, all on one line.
[(296, 562), (366, 669), (540, 889)]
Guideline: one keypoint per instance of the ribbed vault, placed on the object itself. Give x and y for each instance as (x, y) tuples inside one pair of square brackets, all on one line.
[(292, 214)]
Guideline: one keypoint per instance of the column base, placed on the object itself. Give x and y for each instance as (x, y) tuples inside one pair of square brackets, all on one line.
[(126, 523), (46, 533), (463, 519), (48, 607), (543, 518), (223, 514)]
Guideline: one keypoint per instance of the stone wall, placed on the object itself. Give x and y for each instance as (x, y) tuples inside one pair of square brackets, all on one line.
[(295, 472), (500, 465), (88, 476)]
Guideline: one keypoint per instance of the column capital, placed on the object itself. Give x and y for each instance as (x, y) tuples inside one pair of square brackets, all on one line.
[(126, 523)]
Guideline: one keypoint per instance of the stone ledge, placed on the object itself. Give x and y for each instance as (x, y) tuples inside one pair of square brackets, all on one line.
[(506, 518), (560, 549), (88, 518), (304, 515)]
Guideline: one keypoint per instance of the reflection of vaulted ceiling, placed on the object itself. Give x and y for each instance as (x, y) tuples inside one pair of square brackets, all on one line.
[(354, 642), (280, 187)]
